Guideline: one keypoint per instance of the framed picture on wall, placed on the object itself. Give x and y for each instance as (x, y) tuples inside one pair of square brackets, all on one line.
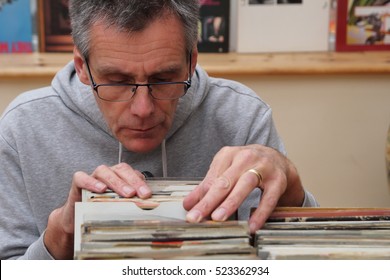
[(282, 26), (54, 26), (363, 25), (214, 26)]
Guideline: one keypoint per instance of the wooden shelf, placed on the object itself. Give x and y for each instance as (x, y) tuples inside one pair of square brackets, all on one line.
[(226, 64), (297, 63)]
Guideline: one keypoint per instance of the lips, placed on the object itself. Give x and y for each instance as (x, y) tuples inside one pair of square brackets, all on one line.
[(143, 129), (139, 131)]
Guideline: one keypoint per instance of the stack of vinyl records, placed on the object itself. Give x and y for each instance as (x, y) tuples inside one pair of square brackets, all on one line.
[(325, 233), (164, 239), (108, 226)]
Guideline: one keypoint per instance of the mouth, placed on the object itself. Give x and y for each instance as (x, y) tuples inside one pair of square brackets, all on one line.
[(147, 129), (140, 132)]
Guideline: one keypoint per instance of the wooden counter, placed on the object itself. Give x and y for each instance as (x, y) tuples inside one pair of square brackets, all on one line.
[(47, 64)]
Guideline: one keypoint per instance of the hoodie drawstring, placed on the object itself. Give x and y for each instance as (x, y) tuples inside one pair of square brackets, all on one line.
[(164, 159), (120, 152)]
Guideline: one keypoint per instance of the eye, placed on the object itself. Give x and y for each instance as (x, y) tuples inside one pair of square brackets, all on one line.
[(118, 82), (165, 76), (117, 79), (160, 79)]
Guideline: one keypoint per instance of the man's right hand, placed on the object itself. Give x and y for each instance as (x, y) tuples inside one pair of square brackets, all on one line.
[(121, 178)]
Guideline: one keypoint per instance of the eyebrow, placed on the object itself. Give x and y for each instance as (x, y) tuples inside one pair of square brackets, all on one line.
[(110, 70)]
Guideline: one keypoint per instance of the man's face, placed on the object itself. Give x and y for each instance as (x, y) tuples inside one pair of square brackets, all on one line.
[(156, 54)]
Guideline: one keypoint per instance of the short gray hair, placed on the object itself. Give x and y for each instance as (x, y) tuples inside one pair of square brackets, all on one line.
[(130, 16)]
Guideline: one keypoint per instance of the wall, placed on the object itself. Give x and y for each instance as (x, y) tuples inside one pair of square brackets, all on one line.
[(11, 87), (334, 129)]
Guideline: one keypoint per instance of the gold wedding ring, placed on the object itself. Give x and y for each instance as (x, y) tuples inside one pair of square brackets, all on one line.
[(259, 176)]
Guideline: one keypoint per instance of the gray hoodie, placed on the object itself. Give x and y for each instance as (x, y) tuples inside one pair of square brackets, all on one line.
[(48, 134)]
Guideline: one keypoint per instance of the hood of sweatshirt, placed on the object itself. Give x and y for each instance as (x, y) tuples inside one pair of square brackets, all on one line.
[(80, 98)]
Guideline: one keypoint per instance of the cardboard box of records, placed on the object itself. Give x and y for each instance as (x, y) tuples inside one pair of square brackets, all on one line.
[(108, 226)]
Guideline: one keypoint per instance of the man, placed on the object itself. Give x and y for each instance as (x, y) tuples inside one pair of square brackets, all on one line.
[(135, 89)]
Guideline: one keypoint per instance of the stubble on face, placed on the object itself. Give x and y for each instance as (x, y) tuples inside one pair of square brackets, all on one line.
[(141, 123)]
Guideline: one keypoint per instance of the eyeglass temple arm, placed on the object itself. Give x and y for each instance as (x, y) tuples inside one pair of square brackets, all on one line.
[(90, 73)]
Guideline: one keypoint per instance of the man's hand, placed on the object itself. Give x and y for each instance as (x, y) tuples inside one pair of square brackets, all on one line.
[(229, 181), (120, 178)]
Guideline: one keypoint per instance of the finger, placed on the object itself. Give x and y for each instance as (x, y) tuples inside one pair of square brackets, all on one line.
[(122, 179), (268, 202), (141, 175), (220, 180), (133, 178), (197, 194), (244, 186), (82, 180), (217, 192), (219, 164)]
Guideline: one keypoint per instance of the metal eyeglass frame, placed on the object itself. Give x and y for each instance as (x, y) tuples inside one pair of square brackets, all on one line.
[(95, 86)]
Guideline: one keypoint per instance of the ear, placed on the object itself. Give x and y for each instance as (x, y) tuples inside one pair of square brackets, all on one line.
[(194, 59), (80, 67)]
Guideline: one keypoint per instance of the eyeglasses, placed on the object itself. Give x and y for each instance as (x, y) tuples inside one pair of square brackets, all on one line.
[(119, 92)]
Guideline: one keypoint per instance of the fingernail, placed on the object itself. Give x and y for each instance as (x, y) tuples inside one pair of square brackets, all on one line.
[(194, 216), (253, 227), (144, 191), (100, 186), (219, 214), (128, 190)]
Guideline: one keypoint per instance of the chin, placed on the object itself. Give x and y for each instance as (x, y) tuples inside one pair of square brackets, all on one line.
[(142, 146)]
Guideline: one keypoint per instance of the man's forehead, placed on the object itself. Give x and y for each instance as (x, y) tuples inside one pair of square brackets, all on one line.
[(154, 40)]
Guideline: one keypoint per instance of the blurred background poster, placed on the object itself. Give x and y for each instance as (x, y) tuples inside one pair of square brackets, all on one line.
[(214, 26), (15, 26), (282, 25), (54, 26)]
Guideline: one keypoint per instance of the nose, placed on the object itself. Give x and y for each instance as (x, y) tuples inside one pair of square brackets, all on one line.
[(142, 103)]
